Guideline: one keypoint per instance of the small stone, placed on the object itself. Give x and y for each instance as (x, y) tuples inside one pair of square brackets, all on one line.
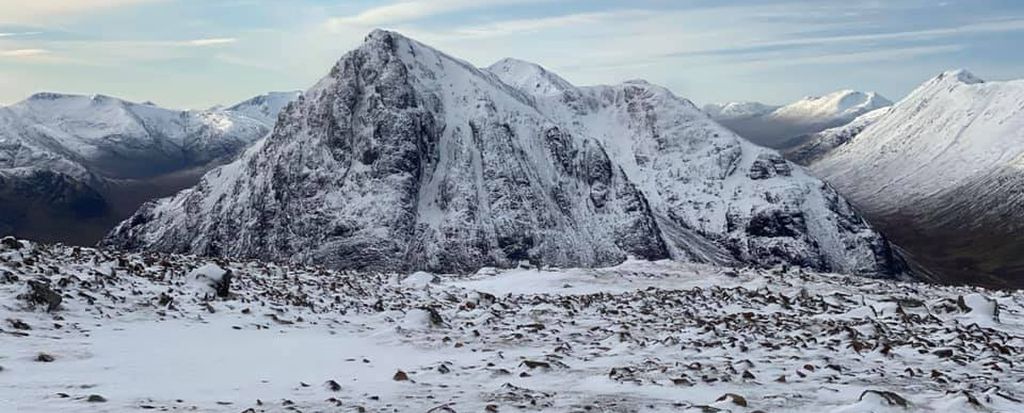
[(332, 385), (18, 324), (45, 358), (891, 398), (944, 353), (400, 376), (536, 364), (95, 398), (735, 398)]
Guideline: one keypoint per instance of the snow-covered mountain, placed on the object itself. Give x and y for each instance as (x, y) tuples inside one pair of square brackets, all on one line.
[(789, 126), (265, 108), (115, 138), (836, 107), (80, 326), (406, 158), (943, 170), (820, 144), (738, 110), (80, 146)]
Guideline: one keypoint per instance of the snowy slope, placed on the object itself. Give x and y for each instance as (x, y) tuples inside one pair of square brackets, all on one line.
[(406, 158), (738, 110), (265, 108), (822, 143), (834, 108), (166, 332), (120, 139), (947, 156), (949, 129), (791, 125)]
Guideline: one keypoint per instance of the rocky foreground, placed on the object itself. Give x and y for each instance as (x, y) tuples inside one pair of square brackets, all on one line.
[(91, 330)]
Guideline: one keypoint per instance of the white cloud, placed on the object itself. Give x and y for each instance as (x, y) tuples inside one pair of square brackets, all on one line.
[(409, 10), (880, 55), (24, 52), (925, 34), (32, 11), (511, 27), (210, 41), (14, 34)]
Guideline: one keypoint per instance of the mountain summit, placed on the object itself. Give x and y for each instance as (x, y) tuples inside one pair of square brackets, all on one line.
[(406, 158)]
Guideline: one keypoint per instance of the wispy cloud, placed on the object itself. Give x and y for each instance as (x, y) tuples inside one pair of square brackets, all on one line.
[(24, 52), (31, 11), (519, 26), (982, 27), (210, 41), (408, 10), (17, 34), (894, 54)]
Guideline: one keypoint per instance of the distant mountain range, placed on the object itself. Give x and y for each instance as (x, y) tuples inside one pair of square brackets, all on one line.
[(785, 127), (405, 158), (71, 166)]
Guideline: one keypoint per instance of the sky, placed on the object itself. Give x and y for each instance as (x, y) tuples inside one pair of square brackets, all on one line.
[(199, 53)]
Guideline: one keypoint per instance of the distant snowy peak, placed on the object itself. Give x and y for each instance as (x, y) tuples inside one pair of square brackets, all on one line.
[(835, 106), (265, 107), (116, 138), (959, 75), (529, 77), (738, 110)]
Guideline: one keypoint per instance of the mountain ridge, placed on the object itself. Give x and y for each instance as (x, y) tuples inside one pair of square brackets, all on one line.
[(469, 171), (940, 173), (106, 152)]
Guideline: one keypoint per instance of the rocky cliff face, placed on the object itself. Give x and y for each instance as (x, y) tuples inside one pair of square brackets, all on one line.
[(406, 158)]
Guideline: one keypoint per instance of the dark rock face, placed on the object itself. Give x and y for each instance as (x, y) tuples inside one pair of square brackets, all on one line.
[(40, 293), (769, 166), (404, 158)]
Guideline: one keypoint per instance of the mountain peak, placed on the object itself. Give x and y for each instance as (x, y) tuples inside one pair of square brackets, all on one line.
[(737, 110), (48, 96), (846, 104), (265, 107), (959, 75), (529, 76)]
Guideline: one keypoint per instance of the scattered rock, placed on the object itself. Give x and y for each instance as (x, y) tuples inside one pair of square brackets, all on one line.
[(888, 397), (734, 398), (535, 364), (10, 243), (95, 398), (44, 358), (332, 385), (18, 324), (400, 376), (40, 293)]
